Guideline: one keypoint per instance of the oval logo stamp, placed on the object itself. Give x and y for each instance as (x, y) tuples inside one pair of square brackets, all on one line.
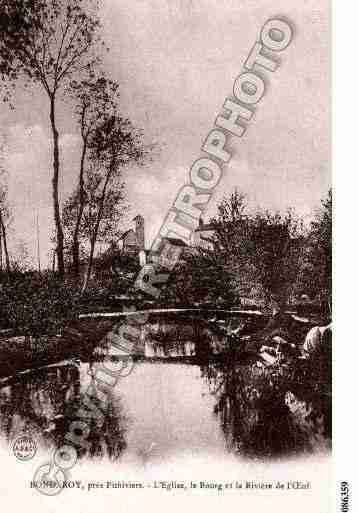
[(24, 448)]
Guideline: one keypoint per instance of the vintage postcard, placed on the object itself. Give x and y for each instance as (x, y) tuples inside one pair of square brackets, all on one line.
[(166, 256)]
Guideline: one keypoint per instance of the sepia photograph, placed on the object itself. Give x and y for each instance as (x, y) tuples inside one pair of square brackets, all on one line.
[(166, 255)]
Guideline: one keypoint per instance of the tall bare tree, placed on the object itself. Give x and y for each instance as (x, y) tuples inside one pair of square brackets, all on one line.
[(95, 102), (5, 219), (4, 240), (49, 43), (113, 145), (116, 144)]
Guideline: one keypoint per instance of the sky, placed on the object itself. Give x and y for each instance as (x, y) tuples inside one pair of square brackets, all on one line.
[(176, 62)]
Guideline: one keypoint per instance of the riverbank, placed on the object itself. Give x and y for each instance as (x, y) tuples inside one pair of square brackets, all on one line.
[(78, 340)]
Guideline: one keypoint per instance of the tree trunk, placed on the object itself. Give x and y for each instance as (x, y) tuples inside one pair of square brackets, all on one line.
[(75, 242), (0, 251), (53, 261), (3, 229), (95, 232), (90, 264), (55, 190)]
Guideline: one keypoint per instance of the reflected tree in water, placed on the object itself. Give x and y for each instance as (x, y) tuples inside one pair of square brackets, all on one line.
[(256, 411), (44, 403), (182, 338)]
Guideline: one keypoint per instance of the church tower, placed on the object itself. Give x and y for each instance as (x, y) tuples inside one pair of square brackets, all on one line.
[(140, 232)]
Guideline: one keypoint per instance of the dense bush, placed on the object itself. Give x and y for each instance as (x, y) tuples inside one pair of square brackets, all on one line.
[(257, 256), (37, 304)]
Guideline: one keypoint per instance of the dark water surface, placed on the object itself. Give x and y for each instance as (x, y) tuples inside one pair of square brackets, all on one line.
[(162, 409)]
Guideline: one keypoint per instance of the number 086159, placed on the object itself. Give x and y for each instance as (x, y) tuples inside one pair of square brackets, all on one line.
[(344, 496)]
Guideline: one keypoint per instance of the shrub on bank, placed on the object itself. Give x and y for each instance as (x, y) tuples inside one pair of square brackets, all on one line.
[(37, 304)]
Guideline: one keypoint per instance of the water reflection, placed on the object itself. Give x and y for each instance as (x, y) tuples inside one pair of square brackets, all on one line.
[(257, 410), (260, 416), (164, 399), (43, 404), (176, 338)]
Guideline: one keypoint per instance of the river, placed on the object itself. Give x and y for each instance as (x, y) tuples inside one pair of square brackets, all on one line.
[(182, 420), (165, 423), (163, 409)]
